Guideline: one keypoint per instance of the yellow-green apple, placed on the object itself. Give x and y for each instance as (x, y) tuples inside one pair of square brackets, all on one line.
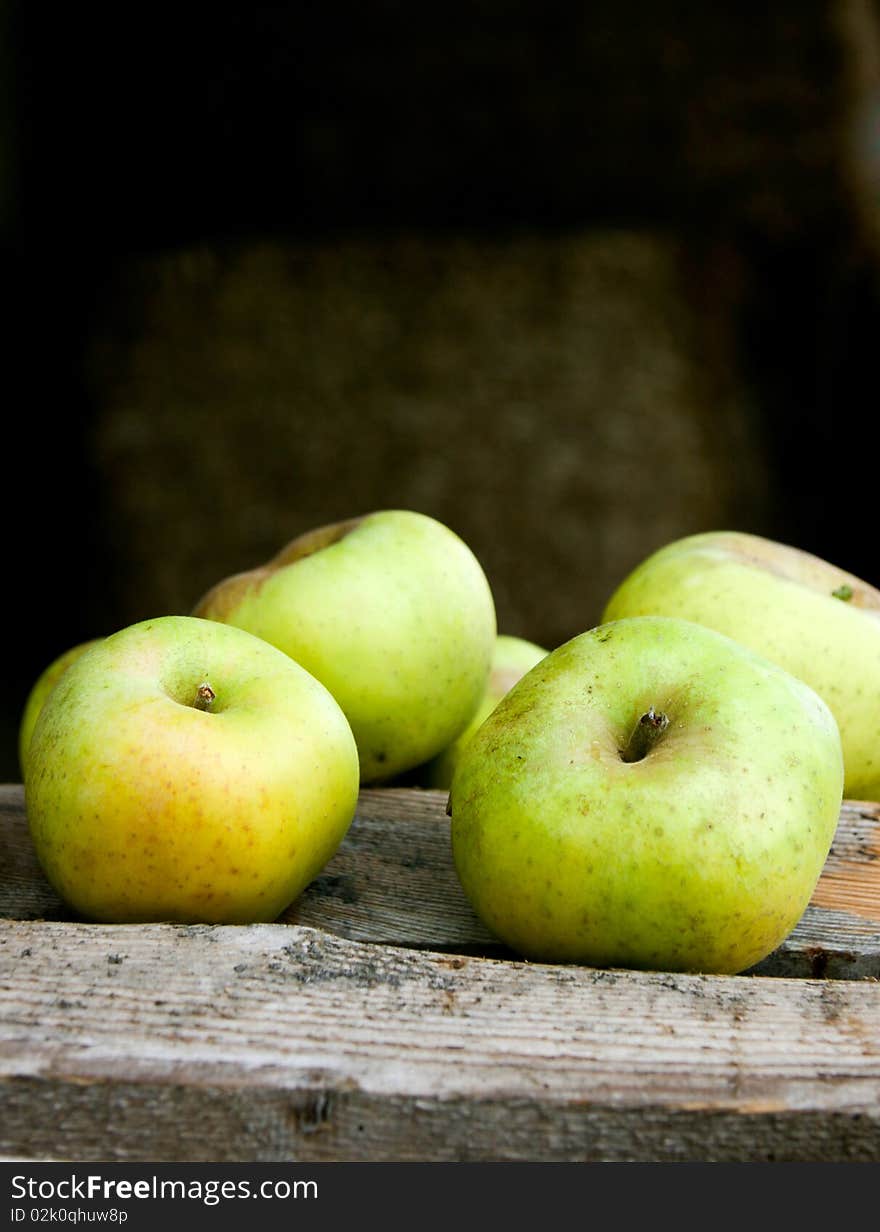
[(812, 618), (392, 612), (652, 794), (186, 770), (512, 658), (36, 698)]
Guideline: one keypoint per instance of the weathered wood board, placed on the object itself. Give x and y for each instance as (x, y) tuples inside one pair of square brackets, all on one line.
[(379, 1021)]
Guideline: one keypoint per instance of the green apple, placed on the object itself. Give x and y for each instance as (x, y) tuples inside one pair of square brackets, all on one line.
[(817, 621), (652, 794), (36, 698), (392, 612), (512, 658), (185, 770)]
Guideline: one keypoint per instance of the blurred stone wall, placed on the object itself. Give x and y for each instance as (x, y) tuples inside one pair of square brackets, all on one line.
[(618, 348), (548, 398), (576, 280)]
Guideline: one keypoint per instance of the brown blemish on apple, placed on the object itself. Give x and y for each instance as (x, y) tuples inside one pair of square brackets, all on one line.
[(313, 541), (221, 601), (796, 565)]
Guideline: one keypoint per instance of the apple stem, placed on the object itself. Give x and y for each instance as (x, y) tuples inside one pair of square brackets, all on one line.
[(204, 696), (645, 735)]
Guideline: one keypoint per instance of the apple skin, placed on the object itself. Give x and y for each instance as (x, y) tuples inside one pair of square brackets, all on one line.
[(701, 856), (392, 612), (779, 601), (40, 690), (143, 807), (513, 657)]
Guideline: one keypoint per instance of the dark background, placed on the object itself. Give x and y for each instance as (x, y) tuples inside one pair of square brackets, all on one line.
[(576, 279)]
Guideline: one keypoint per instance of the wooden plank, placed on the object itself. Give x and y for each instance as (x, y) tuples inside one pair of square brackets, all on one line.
[(393, 882), (279, 1042)]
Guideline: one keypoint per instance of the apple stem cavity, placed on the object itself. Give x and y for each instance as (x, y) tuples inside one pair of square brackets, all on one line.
[(205, 696), (645, 735)]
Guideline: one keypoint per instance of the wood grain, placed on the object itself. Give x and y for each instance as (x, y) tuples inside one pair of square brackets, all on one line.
[(393, 882), (378, 1021), (275, 1042)]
